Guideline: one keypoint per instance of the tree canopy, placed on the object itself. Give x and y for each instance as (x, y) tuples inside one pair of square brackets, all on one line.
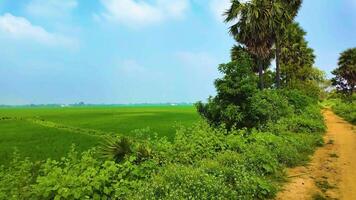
[(345, 74)]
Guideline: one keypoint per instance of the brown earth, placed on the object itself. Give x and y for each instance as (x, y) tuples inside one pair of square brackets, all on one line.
[(332, 171)]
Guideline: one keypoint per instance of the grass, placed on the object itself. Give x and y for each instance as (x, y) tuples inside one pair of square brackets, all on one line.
[(41, 133), (38, 143)]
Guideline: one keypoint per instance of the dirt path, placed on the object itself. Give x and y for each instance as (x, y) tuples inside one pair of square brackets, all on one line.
[(332, 171)]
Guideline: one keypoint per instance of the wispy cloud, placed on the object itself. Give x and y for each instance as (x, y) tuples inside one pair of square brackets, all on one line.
[(50, 8), (218, 8), (20, 28), (141, 13)]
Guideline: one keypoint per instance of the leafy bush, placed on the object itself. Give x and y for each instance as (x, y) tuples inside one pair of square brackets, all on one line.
[(230, 105), (310, 121), (346, 109), (15, 181), (297, 99), (185, 182), (268, 106)]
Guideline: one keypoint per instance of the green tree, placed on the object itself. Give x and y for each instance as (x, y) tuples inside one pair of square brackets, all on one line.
[(253, 29), (230, 105), (268, 77), (238, 50), (261, 24), (284, 12), (345, 74), (296, 58)]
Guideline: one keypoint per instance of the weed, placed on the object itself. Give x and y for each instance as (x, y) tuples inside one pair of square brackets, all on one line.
[(324, 185)]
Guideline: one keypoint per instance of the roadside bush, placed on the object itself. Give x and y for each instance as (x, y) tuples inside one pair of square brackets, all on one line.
[(310, 121), (185, 182), (86, 177), (297, 99), (268, 106), (345, 109)]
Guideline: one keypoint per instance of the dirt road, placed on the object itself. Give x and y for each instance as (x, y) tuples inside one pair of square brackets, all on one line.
[(332, 171)]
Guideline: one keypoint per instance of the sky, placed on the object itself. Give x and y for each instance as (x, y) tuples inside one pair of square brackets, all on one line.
[(136, 51)]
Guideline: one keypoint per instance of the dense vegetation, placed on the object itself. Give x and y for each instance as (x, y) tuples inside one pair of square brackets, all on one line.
[(343, 100), (345, 109), (202, 162), (342, 105), (345, 74)]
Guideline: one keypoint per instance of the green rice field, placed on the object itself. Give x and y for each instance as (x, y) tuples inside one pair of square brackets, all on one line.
[(41, 133)]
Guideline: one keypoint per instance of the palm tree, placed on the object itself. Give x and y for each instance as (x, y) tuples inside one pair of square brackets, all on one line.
[(252, 29), (345, 74), (296, 56), (284, 12), (237, 51)]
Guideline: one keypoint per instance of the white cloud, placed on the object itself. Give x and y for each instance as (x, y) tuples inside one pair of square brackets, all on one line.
[(50, 8), (137, 13), (218, 7), (20, 28)]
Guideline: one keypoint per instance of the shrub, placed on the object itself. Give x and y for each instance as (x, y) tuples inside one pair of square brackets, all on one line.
[(268, 106), (15, 181), (185, 182), (310, 121), (346, 109), (297, 99), (230, 105)]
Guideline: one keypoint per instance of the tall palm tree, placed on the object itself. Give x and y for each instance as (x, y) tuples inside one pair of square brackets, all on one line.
[(345, 74), (284, 12), (237, 51), (252, 29), (296, 56)]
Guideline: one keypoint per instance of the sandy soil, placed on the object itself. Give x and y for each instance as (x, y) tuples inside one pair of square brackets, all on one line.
[(332, 171)]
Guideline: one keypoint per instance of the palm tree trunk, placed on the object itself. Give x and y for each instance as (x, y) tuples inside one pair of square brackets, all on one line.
[(260, 73), (278, 69)]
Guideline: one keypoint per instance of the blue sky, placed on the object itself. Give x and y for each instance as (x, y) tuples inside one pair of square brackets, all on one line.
[(130, 51)]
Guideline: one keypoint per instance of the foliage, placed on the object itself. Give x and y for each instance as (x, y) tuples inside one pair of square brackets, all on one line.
[(297, 99), (253, 29), (346, 109), (260, 25), (297, 58), (238, 51), (268, 106), (117, 149), (240, 104), (202, 162), (230, 106), (15, 181), (345, 74)]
